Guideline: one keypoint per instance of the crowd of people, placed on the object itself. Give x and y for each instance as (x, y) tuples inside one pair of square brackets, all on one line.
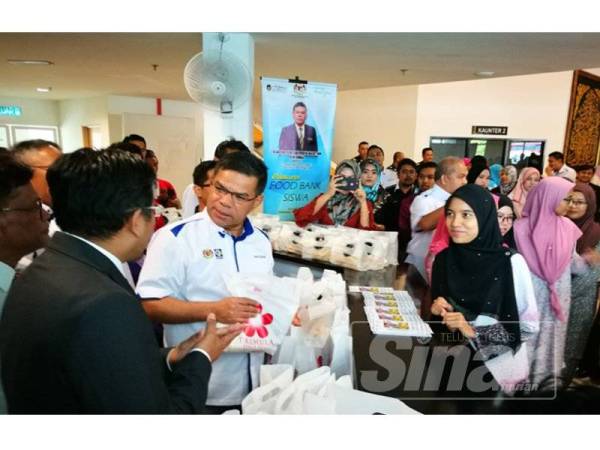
[(75, 334), (508, 257), (126, 318)]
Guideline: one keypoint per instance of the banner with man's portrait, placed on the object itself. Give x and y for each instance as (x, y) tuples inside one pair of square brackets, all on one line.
[(298, 125)]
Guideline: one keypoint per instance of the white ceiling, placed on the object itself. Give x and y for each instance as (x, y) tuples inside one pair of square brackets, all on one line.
[(121, 63)]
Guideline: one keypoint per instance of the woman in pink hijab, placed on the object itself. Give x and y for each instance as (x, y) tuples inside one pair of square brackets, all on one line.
[(528, 178), (547, 241)]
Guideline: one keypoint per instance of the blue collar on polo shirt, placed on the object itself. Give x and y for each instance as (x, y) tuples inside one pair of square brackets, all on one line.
[(248, 230)]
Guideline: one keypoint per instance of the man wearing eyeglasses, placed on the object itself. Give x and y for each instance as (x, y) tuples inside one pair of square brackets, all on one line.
[(73, 337), (38, 155), (23, 225), (182, 279)]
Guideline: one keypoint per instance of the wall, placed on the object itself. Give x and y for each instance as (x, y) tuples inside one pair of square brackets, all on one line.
[(176, 136), (532, 107), (385, 116), (35, 112), (88, 112), (119, 105)]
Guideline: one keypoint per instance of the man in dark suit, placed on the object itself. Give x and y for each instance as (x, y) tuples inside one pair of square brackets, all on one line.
[(299, 135), (73, 336)]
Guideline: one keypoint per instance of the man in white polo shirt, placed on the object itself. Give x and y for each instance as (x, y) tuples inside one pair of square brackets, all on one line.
[(428, 208), (557, 167), (182, 279)]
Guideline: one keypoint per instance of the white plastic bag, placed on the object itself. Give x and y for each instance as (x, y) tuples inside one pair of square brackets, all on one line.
[(315, 392), (351, 401), (278, 298), (291, 400), (274, 379)]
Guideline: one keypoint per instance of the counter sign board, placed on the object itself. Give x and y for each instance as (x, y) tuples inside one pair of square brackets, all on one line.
[(485, 129), (13, 111)]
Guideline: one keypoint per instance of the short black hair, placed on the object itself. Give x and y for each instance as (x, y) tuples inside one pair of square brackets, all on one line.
[(247, 164), (363, 143), (406, 162), (134, 137), (13, 175), (201, 172), (299, 104), (127, 147), (372, 147), (230, 146), (3, 150), (150, 154), (95, 193), (426, 165), (584, 167), (426, 149), (20, 148), (557, 155)]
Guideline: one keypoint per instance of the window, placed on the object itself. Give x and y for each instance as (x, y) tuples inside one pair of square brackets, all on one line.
[(25, 133), (4, 141), (518, 152), (524, 153), (491, 149), (11, 134), (443, 147)]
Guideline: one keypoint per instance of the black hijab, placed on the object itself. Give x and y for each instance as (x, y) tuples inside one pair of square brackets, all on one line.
[(478, 276), (508, 239), (478, 165)]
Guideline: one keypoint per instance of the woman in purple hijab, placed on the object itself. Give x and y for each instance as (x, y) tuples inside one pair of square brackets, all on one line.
[(547, 241)]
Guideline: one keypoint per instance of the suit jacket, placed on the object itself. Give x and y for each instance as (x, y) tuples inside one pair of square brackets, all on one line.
[(288, 139), (74, 339)]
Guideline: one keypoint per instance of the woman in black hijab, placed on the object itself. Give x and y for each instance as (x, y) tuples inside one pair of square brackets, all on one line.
[(506, 218), (479, 173), (474, 279)]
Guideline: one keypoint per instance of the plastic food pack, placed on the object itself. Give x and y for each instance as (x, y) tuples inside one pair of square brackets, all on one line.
[(270, 224), (347, 251), (289, 238), (316, 243)]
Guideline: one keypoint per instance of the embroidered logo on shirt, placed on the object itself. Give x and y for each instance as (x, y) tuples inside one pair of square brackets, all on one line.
[(207, 253), (218, 253), (260, 256)]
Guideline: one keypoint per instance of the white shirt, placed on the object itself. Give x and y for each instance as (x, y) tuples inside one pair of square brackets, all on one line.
[(566, 172), (189, 260), (113, 259), (422, 205), (389, 177), (524, 295), (189, 201)]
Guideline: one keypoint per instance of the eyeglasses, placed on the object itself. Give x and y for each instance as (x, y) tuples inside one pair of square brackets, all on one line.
[(158, 209), (238, 198), (503, 218), (574, 202), (37, 206)]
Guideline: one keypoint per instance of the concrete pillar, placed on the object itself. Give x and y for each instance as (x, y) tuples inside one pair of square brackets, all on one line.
[(217, 126)]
